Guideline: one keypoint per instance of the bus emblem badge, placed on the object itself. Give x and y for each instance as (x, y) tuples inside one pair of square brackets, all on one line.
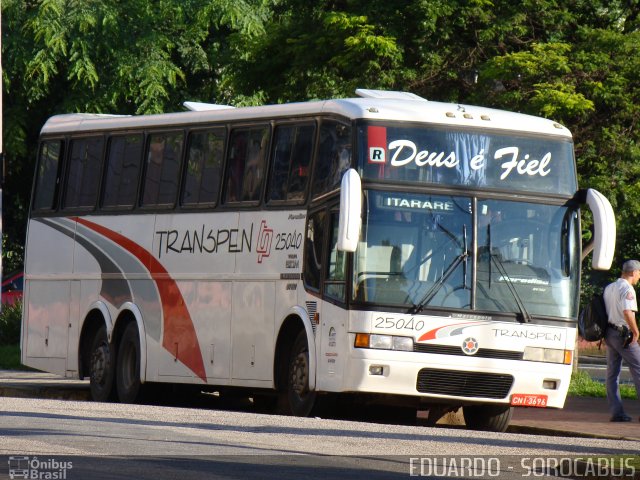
[(265, 237), (470, 346)]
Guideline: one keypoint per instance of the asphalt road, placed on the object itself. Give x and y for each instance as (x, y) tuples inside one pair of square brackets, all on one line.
[(116, 441)]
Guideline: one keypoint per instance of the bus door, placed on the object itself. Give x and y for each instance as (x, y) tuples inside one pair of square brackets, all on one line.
[(325, 274)]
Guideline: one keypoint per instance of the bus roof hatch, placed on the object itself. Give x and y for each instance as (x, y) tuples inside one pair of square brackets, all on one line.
[(201, 107), (390, 94)]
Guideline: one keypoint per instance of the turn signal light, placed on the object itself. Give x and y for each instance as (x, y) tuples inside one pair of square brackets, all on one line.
[(362, 340), (568, 357)]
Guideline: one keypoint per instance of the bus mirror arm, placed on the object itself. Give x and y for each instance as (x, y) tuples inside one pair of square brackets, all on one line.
[(603, 243), (587, 249), (350, 211)]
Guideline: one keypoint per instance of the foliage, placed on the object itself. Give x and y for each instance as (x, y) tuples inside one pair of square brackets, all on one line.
[(574, 61), (10, 323), (582, 385), (10, 358), (105, 56), (319, 54), (12, 255)]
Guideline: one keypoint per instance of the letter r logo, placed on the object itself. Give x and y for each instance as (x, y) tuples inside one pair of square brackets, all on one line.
[(376, 155)]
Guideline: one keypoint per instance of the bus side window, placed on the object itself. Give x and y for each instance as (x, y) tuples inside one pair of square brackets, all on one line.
[(281, 160), (334, 157), (162, 169), (83, 175), (246, 164), (313, 250), (291, 158), (122, 172), (204, 165), (47, 176)]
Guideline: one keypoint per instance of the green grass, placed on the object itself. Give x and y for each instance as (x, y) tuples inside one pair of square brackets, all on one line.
[(634, 462), (630, 463), (10, 358), (583, 386), (10, 322)]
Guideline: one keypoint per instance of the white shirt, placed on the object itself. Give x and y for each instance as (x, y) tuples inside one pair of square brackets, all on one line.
[(619, 296)]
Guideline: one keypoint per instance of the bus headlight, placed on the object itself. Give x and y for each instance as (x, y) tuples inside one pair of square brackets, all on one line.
[(403, 343), (549, 355), (384, 342), (381, 342)]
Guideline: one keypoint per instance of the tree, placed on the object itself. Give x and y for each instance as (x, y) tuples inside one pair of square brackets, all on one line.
[(105, 56), (573, 61), (311, 50)]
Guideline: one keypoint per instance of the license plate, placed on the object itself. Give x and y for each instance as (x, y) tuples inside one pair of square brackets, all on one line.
[(526, 400)]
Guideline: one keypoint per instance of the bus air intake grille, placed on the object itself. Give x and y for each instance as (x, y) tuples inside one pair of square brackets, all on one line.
[(455, 350), (312, 308), (463, 384)]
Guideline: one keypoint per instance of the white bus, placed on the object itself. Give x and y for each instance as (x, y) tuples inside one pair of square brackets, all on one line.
[(385, 248)]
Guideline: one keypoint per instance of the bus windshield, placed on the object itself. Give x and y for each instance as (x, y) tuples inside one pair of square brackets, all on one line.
[(471, 158), (428, 251)]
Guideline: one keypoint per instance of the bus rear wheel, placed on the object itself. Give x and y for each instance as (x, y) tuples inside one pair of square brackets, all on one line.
[(297, 399), (128, 382), (490, 418), (101, 367)]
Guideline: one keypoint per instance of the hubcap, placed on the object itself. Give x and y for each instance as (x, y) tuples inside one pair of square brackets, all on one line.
[(299, 376), (100, 363)]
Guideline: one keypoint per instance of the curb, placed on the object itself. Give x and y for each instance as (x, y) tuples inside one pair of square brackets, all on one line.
[(49, 392), (529, 430), (592, 360)]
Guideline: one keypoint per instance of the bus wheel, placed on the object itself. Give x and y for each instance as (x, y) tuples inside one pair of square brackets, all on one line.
[(101, 367), (297, 399), (490, 418), (128, 366)]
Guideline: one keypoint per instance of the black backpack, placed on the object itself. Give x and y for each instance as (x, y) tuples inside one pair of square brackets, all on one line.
[(593, 320)]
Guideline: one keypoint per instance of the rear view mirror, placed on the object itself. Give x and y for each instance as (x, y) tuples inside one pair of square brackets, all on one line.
[(350, 211), (604, 223)]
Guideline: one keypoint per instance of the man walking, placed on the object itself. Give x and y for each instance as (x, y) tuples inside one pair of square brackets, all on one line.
[(622, 336)]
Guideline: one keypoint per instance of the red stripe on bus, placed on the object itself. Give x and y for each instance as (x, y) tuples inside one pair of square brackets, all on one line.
[(431, 334), (178, 326)]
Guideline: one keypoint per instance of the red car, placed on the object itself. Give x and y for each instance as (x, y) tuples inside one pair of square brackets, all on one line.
[(12, 285)]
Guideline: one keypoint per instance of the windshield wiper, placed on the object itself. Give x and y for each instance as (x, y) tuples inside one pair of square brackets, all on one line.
[(430, 255), (526, 318), (447, 273)]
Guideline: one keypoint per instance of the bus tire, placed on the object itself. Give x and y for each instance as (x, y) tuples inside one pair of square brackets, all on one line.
[(101, 367), (128, 383), (489, 418), (297, 399)]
